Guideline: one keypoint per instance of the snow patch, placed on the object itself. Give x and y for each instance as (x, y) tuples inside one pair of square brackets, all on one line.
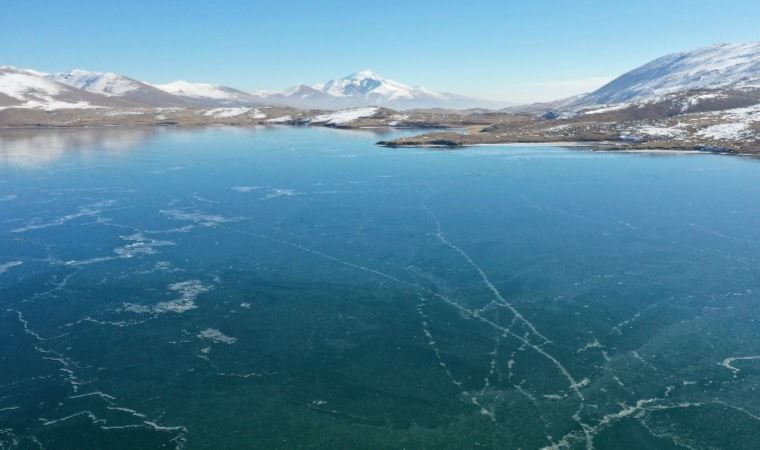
[(727, 131), (345, 116), (21, 85), (223, 113), (660, 131), (607, 108), (281, 119), (35, 91)]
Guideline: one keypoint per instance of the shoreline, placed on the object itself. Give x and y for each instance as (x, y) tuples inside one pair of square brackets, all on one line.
[(601, 147), (596, 146)]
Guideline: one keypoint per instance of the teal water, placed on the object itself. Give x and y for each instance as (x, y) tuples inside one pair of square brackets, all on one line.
[(304, 288)]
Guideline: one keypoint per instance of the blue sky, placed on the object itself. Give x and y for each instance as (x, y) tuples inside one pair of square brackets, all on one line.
[(508, 50)]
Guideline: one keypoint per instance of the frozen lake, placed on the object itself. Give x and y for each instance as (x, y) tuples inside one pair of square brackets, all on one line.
[(293, 288)]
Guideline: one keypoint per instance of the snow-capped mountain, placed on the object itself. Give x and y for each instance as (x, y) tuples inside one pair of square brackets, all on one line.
[(367, 88), (121, 87), (30, 89), (210, 93), (368, 84)]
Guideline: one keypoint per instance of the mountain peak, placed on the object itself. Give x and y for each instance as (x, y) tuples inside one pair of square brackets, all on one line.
[(366, 83), (86, 72), (366, 74)]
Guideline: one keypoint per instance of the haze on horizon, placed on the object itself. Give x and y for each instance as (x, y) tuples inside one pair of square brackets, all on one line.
[(513, 51)]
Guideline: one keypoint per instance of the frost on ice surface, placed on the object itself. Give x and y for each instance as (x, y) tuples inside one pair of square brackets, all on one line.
[(188, 291), (140, 245), (275, 192), (197, 217), (222, 113), (6, 266), (247, 188), (345, 116), (215, 335)]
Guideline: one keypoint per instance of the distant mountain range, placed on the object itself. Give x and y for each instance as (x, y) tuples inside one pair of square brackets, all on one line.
[(364, 88), (715, 77), (79, 89), (84, 89), (367, 88), (119, 88)]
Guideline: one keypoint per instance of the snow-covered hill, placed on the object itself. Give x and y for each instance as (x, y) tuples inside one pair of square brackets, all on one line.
[(715, 78), (209, 93), (30, 89), (719, 66), (108, 84), (119, 87)]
